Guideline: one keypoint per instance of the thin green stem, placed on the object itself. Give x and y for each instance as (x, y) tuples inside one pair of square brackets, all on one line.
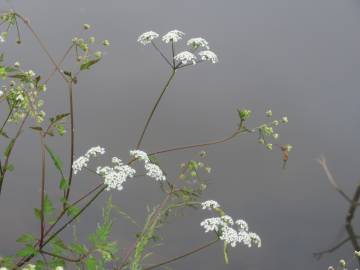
[(154, 108), (191, 252), (42, 184), (237, 132)]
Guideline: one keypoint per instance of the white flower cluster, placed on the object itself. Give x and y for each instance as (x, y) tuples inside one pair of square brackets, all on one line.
[(224, 227), (82, 161), (147, 37), (210, 205), (115, 176), (152, 170), (208, 56), (173, 35), (185, 57), (197, 43)]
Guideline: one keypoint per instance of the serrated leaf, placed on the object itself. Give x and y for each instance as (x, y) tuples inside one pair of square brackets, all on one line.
[(48, 206), (37, 213), (64, 184), (89, 63), (26, 238), (26, 251), (56, 160), (91, 263)]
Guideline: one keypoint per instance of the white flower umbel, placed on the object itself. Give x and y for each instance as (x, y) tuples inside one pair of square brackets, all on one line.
[(83, 161), (209, 56), (152, 170), (223, 227), (173, 35), (138, 154), (210, 205), (116, 176), (185, 57), (197, 43), (147, 37)]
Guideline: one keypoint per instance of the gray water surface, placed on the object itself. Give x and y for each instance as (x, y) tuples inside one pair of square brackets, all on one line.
[(299, 58)]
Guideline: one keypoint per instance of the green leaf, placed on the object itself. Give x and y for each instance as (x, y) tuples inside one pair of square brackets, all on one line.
[(91, 263), (48, 206), (37, 213), (10, 167), (8, 149), (26, 238), (56, 160), (26, 251), (89, 63), (40, 265), (78, 248), (64, 184), (72, 211)]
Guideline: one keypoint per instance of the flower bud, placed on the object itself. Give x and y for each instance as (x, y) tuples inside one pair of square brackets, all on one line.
[(244, 114), (269, 113), (269, 146), (106, 43), (284, 120), (17, 64), (86, 26)]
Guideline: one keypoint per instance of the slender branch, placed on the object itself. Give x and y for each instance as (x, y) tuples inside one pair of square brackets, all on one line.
[(6, 162), (154, 108), (41, 43), (353, 205), (7, 119), (72, 139), (42, 184), (183, 255), (322, 162), (63, 257), (234, 134), (162, 55), (75, 216)]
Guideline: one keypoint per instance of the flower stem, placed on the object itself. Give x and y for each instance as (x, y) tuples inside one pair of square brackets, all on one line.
[(154, 108), (184, 255)]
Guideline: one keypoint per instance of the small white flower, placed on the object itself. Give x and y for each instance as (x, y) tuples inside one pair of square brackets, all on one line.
[(185, 57), (197, 43), (116, 176), (173, 35), (1, 93), (2, 40), (208, 56), (147, 37), (229, 235), (139, 155), (59, 268), (154, 171), (227, 219), (242, 224), (3, 268), (212, 224), (210, 204), (285, 120), (82, 161)]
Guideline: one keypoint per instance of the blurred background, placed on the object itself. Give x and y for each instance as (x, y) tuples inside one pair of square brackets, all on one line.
[(298, 58)]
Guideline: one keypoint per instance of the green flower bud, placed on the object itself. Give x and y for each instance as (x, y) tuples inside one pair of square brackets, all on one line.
[(244, 114), (269, 146), (208, 169), (91, 40), (5, 35), (200, 164), (285, 120), (18, 41), (193, 173), (106, 43), (86, 26), (275, 136), (275, 123), (342, 263), (202, 153), (42, 88), (98, 54), (357, 253), (17, 64), (269, 113), (261, 141), (182, 165)]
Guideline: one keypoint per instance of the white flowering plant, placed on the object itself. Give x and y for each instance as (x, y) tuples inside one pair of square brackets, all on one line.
[(20, 97)]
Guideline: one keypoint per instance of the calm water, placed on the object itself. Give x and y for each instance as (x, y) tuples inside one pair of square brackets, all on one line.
[(300, 58)]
